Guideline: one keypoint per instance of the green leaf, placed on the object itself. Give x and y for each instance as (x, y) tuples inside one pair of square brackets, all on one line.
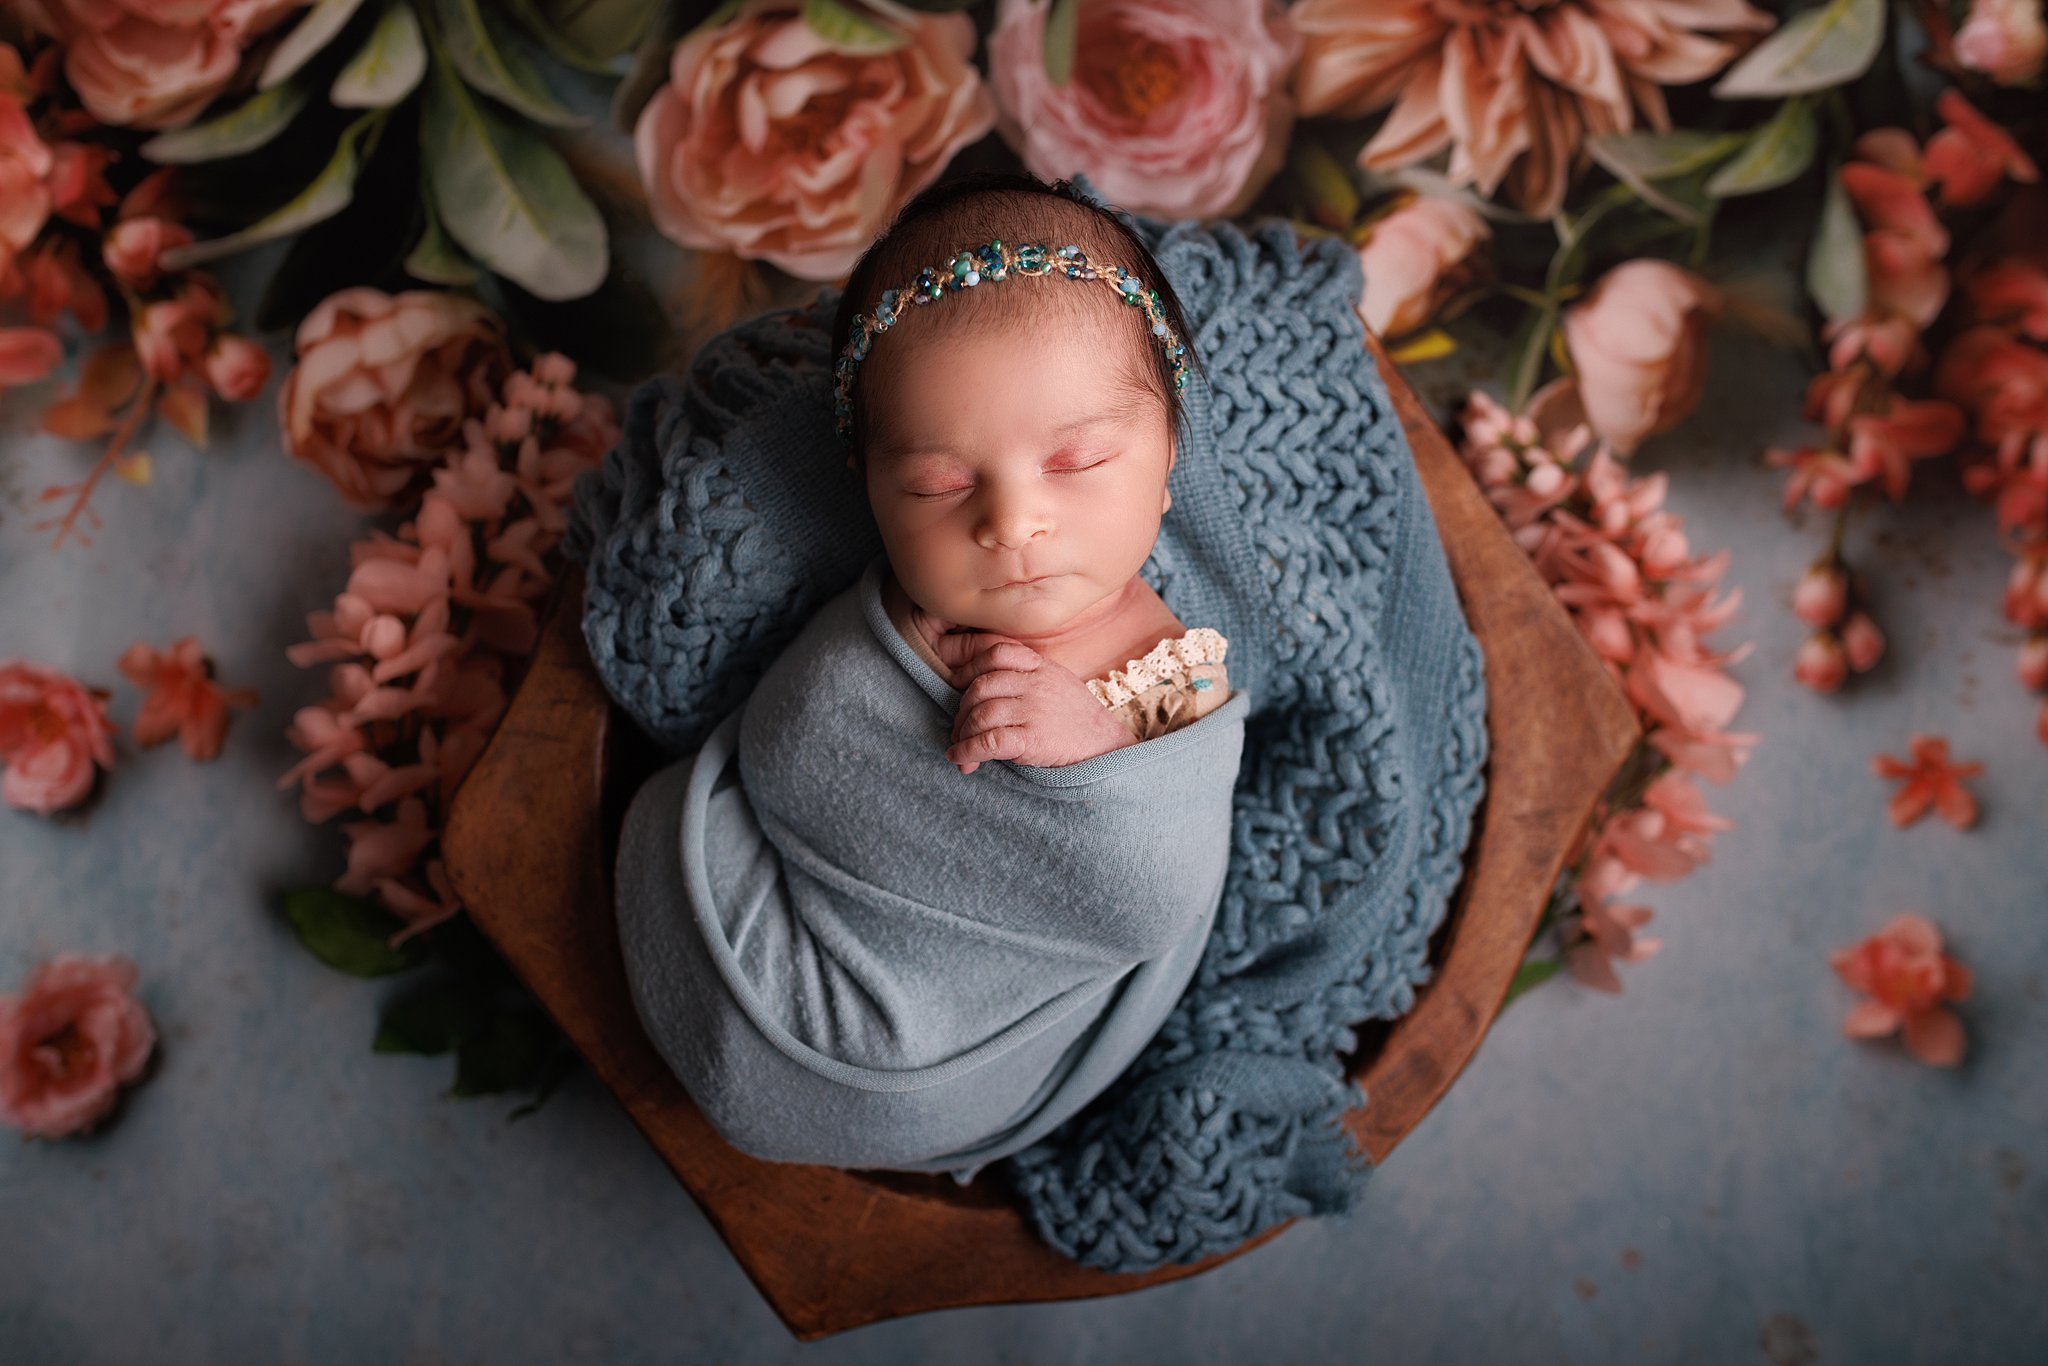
[(328, 195), (566, 47), (1328, 192), (508, 197), (1530, 346), (349, 933), (1061, 29), (1777, 152), (1533, 973), (1837, 276), (651, 60), (303, 43), (387, 67), (1642, 160), (506, 1054), (488, 55), (587, 33), (249, 125), (433, 1017), (435, 258), (850, 30), (1828, 45)]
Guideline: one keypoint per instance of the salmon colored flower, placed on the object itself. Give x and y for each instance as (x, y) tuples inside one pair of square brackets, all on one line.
[(180, 697), (2004, 39), (68, 1043), (1512, 89), (1411, 262), (1820, 663), (1972, 155), (153, 63), (53, 730), (1883, 445), (1907, 977), (1930, 781), (1822, 596), (1638, 343), (28, 354), (776, 143)]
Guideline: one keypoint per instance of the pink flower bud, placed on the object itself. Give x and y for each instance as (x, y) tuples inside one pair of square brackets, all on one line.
[(554, 368), (236, 367), (1862, 642), (2026, 593), (1820, 665), (132, 249), (1545, 479), (1822, 595), (2033, 663)]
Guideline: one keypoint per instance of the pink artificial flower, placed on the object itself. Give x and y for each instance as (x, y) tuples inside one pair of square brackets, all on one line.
[(2001, 380), (68, 1043), (2026, 590), (2010, 293), (28, 354), (53, 730), (153, 63), (383, 384), (1930, 781), (1820, 663), (420, 912), (1907, 977), (1712, 755), (1174, 108), (2004, 39), (172, 335), (236, 367), (385, 849), (1609, 929), (181, 698), (1972, 155), (1411, 262), (773, 142), (1512, 89), (135, 246), (1638, 343), (25, 166), (1823, 593), (1862, 642), (1883, 445), (2032, 664)]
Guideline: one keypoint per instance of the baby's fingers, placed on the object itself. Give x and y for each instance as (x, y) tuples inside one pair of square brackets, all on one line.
[(997, 742)]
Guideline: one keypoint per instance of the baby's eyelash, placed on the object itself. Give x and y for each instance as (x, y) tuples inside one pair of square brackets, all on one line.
[(1070, 469)]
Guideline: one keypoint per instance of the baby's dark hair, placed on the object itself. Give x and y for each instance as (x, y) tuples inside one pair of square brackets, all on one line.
[(972, 208)]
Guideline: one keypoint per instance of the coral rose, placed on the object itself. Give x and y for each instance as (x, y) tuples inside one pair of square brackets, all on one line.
[(68, 1043), (1410, 260), (2004, 39), (1638, 341), (383, 384), (772, 142), (152, 63), (1907, 977), (53, 730), (1513, 89), (1174, 108)]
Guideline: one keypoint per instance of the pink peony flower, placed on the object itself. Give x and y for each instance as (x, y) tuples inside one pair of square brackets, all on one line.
[(1973, 155), (181, 698), (152, 63), (1410, 262), (2004, 39), (53, 730), (68, 1043), (1930, 780), (770, 142), (383, 384), (1175, 108), (1638, 342), (1907, 977), (1512, 89)]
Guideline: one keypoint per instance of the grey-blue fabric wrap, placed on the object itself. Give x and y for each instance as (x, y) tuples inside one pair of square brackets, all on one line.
[(727, 516), (853, 954)]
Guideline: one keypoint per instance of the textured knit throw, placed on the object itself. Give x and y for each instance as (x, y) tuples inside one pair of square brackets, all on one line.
[(1299, 529)]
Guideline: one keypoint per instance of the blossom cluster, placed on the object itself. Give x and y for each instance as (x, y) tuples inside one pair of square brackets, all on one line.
[(1646, 604), (421, 639)]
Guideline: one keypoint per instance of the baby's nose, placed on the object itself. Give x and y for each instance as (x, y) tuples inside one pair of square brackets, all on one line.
[(1007, 527)]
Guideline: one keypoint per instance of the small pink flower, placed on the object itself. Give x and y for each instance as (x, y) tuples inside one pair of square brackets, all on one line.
[(1907, 977), (1175, 108), (1883, 445), (1411, 262), (2004, 39), (68, 1043), (172, 335), (2032, 665), (1822, 595), (2026, 591), (385, 849), (181, 698), (1820, 663), (236, 367), (28, 354), (1862, 642), (133, 247), (1972, 155), (1930, 781), (53, 730), (1638, 343), (2000, 380)]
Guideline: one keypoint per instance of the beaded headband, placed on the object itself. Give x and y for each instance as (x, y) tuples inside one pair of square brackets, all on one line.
[(995, 261)]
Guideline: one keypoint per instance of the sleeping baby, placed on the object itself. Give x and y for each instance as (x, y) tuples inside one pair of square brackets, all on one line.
[(938, 880)]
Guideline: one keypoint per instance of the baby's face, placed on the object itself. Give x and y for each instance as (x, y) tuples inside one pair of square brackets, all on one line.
[(1012, 453)]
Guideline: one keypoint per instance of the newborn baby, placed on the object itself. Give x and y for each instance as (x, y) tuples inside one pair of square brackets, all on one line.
[(938, 880)]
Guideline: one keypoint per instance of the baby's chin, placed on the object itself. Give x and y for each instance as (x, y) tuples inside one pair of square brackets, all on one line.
[(1023, 611)]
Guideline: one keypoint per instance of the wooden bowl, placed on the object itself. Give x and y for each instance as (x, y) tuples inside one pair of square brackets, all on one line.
[(529, 847)]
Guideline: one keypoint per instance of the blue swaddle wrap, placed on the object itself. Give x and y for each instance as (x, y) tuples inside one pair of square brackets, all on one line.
[(853, 954), (726, 518)]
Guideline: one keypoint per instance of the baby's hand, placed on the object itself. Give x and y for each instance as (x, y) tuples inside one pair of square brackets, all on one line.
[(1019, 705)]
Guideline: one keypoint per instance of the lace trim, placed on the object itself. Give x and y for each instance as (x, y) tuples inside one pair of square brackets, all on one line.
[(1202, 645)]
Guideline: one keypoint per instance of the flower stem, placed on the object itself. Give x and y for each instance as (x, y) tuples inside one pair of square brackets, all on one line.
[(82, 491)]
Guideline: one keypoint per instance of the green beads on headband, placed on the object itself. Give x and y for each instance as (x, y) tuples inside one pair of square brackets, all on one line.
[(994, 261)]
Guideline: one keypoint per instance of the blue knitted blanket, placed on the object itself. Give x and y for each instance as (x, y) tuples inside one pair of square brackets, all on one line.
[(726, 516)]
